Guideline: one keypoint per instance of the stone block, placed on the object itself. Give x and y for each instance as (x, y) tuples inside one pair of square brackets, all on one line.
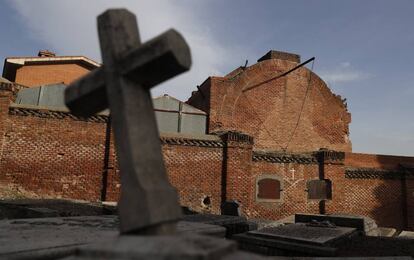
[(406, 235)]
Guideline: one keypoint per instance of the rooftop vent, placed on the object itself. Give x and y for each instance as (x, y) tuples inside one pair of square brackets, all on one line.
[(46, 53), (280, 55)]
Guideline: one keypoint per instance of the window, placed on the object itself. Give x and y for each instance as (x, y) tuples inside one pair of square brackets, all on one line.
[(268, 188)]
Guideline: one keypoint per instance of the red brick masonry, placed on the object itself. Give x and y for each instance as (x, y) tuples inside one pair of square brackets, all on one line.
[(55, 154)]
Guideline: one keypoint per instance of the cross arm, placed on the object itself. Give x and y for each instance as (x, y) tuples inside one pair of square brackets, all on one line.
[(148, 65), (87, 95), (157, 60)]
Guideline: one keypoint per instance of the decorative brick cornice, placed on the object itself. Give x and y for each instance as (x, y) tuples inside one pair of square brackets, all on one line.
[(12, 87), (190, 142), (54, 114), (330, 156), (234, 136), (273, 157), (372, 173)]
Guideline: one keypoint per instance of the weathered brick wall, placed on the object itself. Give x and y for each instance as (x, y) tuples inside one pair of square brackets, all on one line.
[(376, 198), (52, 155), (5, 95), (376, 160), (389, 194), (36, 75), (410, 202), (294, 173), (194, 167), (269, 112), (371, 194), (236, 175)]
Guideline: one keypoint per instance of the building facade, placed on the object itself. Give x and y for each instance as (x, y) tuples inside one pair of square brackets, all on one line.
[(277, 145)]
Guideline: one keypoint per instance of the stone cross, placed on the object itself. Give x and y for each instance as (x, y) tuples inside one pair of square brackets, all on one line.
[(148, 203)]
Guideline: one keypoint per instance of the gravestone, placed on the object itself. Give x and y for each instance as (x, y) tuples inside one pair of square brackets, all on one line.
[(148, 203), (231, 208)]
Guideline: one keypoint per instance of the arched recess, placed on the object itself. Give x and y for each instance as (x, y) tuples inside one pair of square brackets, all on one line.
[(269, 188)]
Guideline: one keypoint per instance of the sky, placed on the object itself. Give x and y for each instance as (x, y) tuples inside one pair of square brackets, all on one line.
[(363, 49)]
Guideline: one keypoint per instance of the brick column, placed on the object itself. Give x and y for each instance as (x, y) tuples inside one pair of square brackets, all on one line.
[(331, 170), (237, 163)]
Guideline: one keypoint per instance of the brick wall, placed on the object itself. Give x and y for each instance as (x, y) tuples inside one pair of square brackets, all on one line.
[(390, 197), (5, 95), (270, 110), (376, 160), (54, 154), (236, 175), (294, 199), (36, 75), (194, 167)]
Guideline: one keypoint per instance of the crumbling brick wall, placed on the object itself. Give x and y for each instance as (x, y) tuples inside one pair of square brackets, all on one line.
[(274, 111)]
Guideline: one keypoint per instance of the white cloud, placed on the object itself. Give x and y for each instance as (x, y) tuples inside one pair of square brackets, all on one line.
[(344, 72), (69, 28)]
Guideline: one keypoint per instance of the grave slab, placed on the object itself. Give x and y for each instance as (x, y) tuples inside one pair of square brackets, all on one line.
[(296, 239), (47, 237), (233, 224), (305, 234)]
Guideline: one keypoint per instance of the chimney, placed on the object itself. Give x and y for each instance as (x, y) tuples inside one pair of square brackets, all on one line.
[(280, 55), (46, 53)]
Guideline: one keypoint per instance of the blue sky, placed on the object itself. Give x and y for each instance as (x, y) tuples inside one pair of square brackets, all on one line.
[(363, 49)]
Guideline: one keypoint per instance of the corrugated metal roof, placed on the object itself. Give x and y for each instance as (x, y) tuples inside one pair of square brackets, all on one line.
[(48, 96), (173, 115)]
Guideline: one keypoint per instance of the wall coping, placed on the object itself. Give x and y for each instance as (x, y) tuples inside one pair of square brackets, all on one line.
[(281, 157), (27, 110), (374, 173), (191, 140), (166, 138), (235, 136)]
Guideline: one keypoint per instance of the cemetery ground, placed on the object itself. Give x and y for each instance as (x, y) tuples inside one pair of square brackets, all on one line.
[(56, 228)]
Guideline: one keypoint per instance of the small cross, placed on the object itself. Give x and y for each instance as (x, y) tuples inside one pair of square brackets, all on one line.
[(148, 203), (293, 173)]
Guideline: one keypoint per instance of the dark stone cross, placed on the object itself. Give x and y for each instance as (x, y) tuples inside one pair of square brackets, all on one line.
[(148, 203)]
